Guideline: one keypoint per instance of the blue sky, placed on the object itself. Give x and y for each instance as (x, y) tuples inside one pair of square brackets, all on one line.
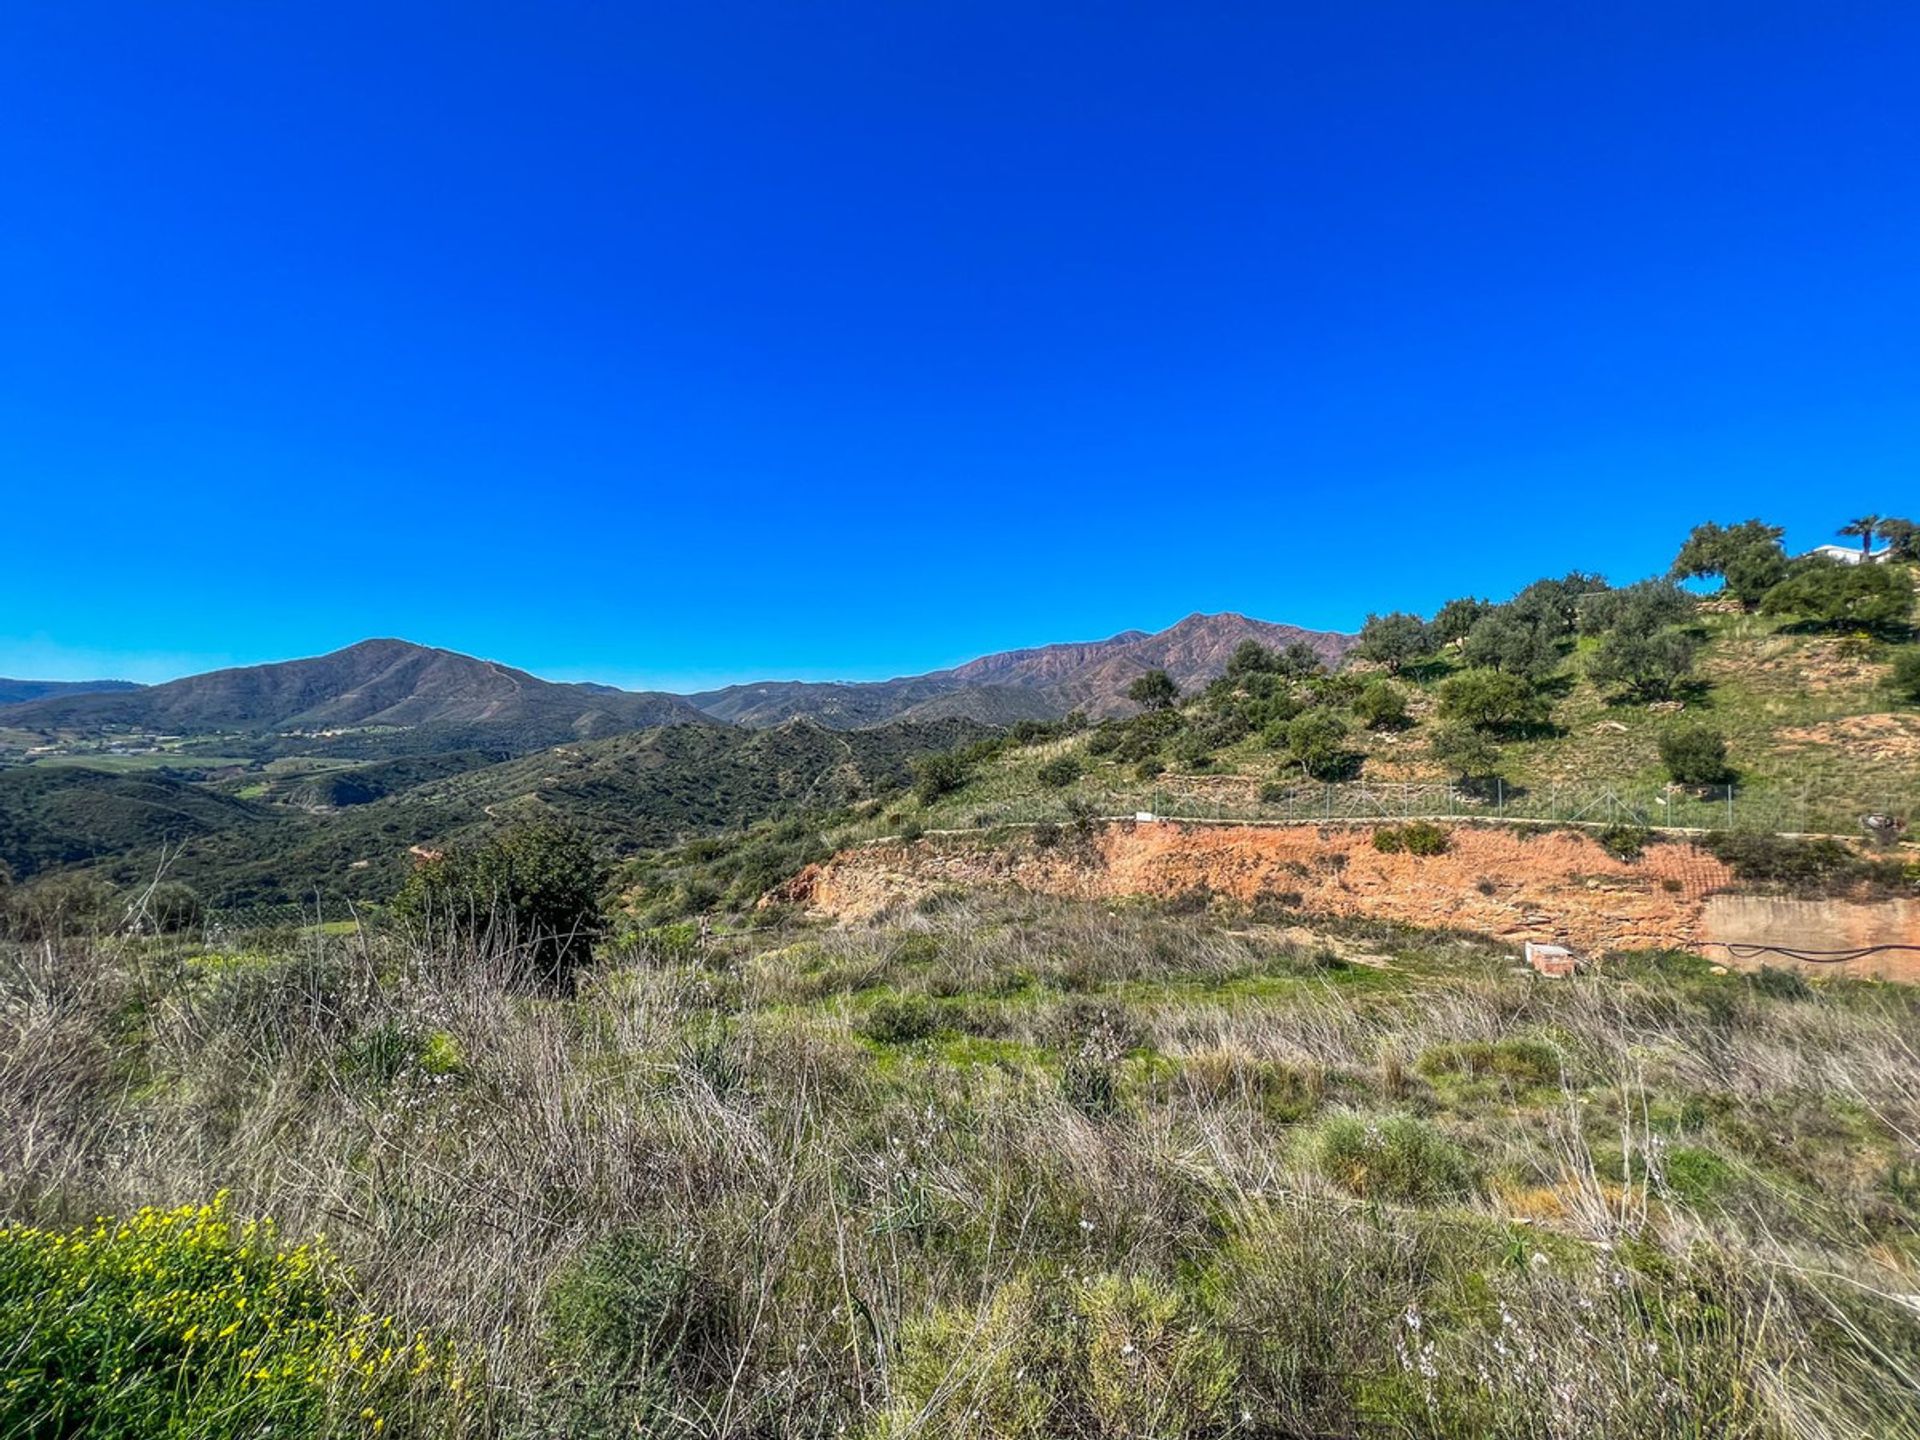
[(672, 344)]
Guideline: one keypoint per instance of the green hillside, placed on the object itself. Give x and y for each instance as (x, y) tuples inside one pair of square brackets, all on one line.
[(289, 830), (1816, 730)]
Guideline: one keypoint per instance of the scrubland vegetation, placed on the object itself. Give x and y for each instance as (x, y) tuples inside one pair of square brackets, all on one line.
[(571, 1131), (1783, 706), (994, 1168)]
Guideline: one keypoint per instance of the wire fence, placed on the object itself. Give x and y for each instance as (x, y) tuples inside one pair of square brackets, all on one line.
[(1714, 807), (315, 911)]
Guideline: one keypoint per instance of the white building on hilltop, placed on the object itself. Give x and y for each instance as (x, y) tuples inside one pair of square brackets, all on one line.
[(1847, 554)]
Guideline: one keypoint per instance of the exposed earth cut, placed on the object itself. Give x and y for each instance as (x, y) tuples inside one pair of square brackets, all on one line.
[(1515, 885)]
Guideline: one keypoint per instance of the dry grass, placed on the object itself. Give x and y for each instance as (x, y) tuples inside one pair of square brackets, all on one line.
[(1697, 1221)]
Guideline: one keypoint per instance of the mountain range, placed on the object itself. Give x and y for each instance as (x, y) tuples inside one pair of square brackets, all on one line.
[(395, 685), (1040, 683)]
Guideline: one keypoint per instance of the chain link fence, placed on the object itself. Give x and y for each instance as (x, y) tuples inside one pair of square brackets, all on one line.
[(317, 911)]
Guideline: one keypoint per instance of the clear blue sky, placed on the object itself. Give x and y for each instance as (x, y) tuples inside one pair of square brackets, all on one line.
[(670, 344)]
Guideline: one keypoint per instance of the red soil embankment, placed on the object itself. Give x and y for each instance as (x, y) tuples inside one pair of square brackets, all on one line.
[(1542, 885), (1557, 886)]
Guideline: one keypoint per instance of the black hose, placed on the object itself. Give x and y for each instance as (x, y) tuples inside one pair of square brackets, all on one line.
[(1743, 951)]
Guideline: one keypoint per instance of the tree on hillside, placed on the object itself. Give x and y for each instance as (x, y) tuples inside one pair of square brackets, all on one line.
[(1250, 657), (1644, 664), (1300, 660), (1382, 705), (1318, 740), (1491, 700), (1755, 571), (1154, 690), (533, 893), (1711, 548), (1866, 527), (1455, 618), (1902, 537), (1469, 753), (1554, 605), (1504, 641), (1836, 596), (1648, 605), (1394, 641)]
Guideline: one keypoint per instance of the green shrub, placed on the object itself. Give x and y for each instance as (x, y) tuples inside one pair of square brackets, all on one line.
[(1424, 838), (1416, 837), (1469, 753), (628, 1325), (184, 1323), (1154, 690), (937, 775), (56, 905), (899, 1020), (1834, 596), (171, 908), (1060, 772), (1694, 753), (1393, 1157), (1819, 867), (534, 892), (1518, 1064), (1381, 706), (1624, 842), (1906, 675), (1117, 1356)]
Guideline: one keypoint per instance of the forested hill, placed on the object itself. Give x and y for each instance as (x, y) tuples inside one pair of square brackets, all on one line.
[(376, 683)]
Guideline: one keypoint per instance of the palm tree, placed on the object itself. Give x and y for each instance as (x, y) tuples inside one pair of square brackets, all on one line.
[(1866, 527)]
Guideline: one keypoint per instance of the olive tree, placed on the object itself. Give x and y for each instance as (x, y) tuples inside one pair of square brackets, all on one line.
[(1154, 690), (1395, 640)]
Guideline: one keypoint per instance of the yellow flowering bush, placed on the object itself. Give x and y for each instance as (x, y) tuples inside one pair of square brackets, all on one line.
[(185, 1323)]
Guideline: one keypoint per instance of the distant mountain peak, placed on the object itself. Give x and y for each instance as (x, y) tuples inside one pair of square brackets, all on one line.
[(379, 682), (1036, 682)]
